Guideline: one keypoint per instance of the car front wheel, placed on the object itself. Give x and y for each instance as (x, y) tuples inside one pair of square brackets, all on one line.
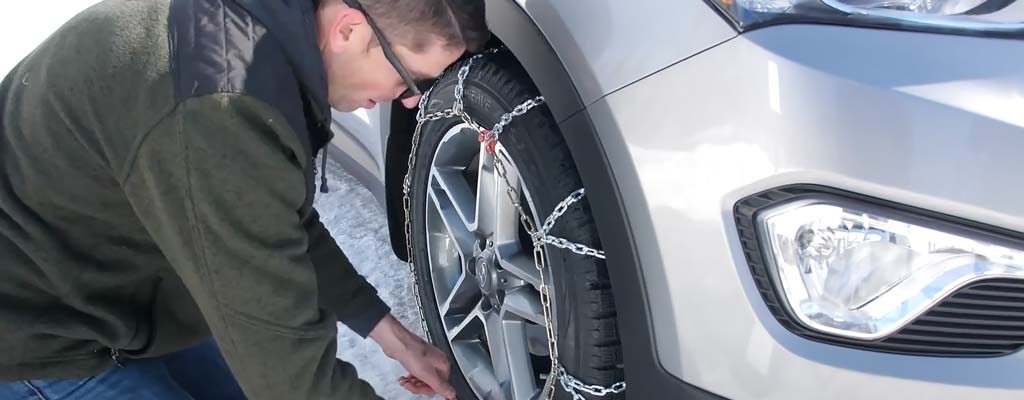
[(478, 283)]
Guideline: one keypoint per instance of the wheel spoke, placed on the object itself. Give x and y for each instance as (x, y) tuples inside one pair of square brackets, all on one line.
[(514, 260), (449, 180), (458, 231), (476, 368), (496, 213), (466, 326), (499, 353), (506, 340), (525, 303), (508, 214), (463, 297)]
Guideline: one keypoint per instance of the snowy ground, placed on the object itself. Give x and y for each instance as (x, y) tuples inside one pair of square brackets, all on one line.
[(358, 224)]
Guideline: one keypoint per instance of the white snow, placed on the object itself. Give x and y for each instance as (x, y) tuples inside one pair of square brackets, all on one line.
[(358, 224), (25, 24)]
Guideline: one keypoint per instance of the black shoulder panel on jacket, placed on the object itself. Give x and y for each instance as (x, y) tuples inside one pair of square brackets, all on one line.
[(217, 47)]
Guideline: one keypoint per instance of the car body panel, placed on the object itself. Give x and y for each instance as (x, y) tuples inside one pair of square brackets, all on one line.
[(607, 44), (360, 141), (912, 118)]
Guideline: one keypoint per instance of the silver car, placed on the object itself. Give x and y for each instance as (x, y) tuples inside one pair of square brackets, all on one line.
[(798, 199)]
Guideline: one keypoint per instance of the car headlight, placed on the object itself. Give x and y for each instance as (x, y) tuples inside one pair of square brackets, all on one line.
[(987, 17), (863, 272)]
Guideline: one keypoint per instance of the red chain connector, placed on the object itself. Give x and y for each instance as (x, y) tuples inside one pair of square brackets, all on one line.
[(487, 136)]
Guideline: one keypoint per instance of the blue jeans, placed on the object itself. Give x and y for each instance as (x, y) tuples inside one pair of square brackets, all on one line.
[(197, 373)]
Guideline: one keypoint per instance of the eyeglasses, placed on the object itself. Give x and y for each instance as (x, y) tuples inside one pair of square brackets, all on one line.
[(415, 88)]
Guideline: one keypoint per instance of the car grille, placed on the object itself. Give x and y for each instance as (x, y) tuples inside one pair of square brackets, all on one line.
[(983, 319)]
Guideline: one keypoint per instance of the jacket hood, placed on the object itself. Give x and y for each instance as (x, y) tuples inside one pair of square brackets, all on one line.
[(293, 24)]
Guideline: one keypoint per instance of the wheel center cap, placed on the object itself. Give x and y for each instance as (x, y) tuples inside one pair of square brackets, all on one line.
[(483, 275)]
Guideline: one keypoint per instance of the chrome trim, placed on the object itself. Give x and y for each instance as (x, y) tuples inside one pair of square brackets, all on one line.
[(941, 21)]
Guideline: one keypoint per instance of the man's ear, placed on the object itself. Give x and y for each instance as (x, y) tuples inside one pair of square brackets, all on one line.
[(343, 28)]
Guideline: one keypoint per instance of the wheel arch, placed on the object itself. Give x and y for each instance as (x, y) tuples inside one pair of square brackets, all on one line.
[(517, 31)]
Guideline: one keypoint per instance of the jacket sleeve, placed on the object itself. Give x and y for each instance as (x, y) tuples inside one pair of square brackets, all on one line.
[(342, 290), (218, 184)]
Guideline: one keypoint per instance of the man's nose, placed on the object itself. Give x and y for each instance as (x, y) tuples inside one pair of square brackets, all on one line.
[(411, 102)]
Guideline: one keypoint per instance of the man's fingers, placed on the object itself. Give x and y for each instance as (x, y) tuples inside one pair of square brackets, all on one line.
[(439, 384), (416, 386), (420, 389), (428, 366)]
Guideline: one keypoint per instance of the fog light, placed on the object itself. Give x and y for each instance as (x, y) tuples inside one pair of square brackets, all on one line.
[(863, 274)]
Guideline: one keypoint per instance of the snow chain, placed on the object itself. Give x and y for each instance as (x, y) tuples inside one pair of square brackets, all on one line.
[(540, 237)]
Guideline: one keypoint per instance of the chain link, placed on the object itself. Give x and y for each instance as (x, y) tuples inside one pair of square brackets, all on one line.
[(540, 237), (407, 206), (573, 386), (560, 209), (521, 109)]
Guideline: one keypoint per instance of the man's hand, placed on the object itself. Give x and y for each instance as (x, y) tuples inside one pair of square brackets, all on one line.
[(428, 367)]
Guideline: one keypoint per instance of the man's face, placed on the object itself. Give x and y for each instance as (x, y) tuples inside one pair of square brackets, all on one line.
[(358, 73)]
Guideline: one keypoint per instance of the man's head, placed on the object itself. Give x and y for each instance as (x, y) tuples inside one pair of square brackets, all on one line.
[(423, 36)]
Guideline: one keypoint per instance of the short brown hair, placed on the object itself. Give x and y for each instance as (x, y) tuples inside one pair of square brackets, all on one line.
[(413, 23)]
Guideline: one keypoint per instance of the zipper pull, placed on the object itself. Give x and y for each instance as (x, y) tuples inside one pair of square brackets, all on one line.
[(116, 357), (323, 170)]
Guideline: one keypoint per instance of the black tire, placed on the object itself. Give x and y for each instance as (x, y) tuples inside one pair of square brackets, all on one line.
[(589, 345)]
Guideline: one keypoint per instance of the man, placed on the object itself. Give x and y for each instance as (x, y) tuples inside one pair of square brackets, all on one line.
[(156, 186)]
